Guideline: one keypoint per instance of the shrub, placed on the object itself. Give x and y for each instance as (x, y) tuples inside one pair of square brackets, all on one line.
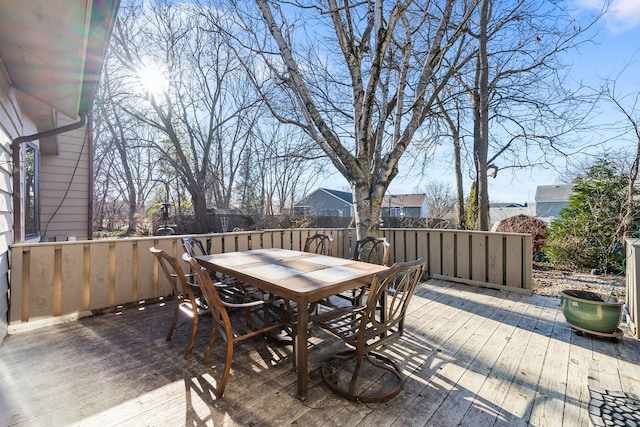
[(528, 225), (587, 234)]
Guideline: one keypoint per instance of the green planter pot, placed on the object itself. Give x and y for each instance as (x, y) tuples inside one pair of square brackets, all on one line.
[(591, 311)]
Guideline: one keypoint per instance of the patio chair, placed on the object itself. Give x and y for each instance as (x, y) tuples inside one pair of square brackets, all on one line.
[(319, 244), (233, 289), (360, 373), (258, 318), (194, 246), (374, 250), (184, 297)]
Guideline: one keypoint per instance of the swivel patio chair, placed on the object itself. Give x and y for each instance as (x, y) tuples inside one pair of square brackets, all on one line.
[(184, 297), (321, 244), (374, 250), (257, 318), (360, 373)]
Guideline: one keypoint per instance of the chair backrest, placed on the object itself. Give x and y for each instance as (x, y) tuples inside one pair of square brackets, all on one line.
[(319, 244), (174, 272), (387, 302), (210, 293), (193, 246), (374, 250)]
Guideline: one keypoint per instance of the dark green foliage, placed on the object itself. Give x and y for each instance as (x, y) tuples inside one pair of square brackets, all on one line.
[(587, 233), (471, 212)]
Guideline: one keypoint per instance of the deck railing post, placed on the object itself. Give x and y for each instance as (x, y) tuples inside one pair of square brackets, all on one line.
[(632, 284)]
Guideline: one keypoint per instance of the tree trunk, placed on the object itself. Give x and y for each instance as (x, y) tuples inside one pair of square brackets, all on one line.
[(367, 207), (460, 214), (481, 122), (200, 210)]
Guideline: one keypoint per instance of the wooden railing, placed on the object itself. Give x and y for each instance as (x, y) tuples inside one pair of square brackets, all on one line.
[(632, 274), (53, 282)]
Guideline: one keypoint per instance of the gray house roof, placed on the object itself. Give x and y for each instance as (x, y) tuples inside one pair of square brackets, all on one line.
[(345, 196), (405, 200), (326, 202), (551, 199), (553, 193)]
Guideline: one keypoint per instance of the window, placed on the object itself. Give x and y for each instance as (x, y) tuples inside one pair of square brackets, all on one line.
[(397, 212), (31, 192)]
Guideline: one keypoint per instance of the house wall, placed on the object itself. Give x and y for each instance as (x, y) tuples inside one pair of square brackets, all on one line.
[(424, 209), (64, 186), (327, 205), (413, 212), (550, 209), (13, 123), (5, 226)]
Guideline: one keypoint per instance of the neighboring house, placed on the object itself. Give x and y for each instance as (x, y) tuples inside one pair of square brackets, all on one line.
[(405, 206), (51, 54), (325, 202), (551, 199)]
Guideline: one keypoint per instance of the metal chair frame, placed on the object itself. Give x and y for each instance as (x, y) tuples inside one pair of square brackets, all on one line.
[(184, 297), (254, 318), (319, 244), (367, 328)]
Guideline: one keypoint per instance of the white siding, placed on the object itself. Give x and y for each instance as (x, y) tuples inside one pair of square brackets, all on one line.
[(64, 186), (11, 125)]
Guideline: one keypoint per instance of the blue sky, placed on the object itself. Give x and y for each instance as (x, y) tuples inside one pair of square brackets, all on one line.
[(616, 49), (616, 46)]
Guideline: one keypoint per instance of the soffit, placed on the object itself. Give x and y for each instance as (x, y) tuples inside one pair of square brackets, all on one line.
[(53, 51)]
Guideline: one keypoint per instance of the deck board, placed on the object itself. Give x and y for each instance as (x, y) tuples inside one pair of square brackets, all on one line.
[(470, 356)]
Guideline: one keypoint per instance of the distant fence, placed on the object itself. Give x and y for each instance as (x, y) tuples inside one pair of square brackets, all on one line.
[(71, 279)]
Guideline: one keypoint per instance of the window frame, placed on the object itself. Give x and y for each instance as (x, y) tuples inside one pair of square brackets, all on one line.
[(31, 192)]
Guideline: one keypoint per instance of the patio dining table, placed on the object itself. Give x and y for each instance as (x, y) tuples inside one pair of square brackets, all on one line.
[(299, 277)]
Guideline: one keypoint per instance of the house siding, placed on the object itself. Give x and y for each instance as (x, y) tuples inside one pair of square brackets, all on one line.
[(550, 209), (551, 199), (324, 203), (11, 125), (64, 185)]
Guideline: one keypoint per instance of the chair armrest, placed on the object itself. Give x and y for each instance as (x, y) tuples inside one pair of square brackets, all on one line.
[(243, 305)]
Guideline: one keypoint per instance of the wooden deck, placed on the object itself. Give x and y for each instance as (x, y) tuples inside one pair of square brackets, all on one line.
[(471, 356)]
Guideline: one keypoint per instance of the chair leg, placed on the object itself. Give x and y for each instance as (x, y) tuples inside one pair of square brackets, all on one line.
[(192, 341), (212, 340), (226, 370), (354, 378), (176, 309)]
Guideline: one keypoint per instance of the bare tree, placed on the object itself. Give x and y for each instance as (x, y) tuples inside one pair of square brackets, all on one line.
[(185, 83), (522, 107), (440, 200), (452, 117), (292, 165), (363, 85), (122, 166), (116, 131)]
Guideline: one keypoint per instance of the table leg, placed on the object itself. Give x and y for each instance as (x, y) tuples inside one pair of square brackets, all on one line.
[(302, 331)]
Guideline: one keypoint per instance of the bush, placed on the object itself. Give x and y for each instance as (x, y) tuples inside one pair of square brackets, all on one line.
[(587, 234), (528, 225)]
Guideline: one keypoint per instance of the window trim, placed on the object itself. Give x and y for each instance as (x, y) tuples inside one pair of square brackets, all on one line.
[(27, 208)]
